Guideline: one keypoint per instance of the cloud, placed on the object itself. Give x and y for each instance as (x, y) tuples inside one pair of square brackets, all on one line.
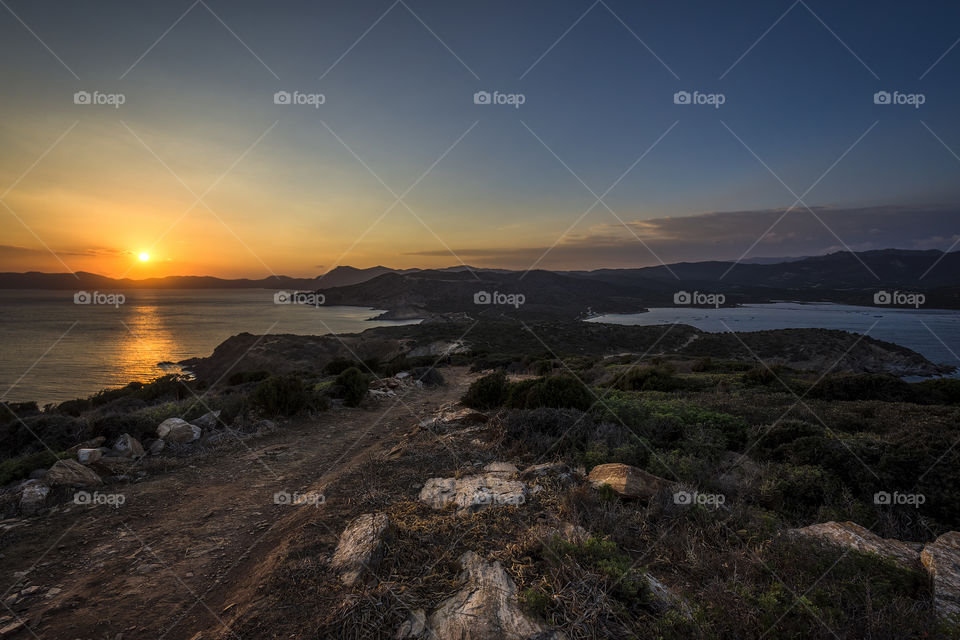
[(728, 235)]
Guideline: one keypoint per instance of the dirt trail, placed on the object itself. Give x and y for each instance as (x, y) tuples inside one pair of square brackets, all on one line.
[(160, 565)]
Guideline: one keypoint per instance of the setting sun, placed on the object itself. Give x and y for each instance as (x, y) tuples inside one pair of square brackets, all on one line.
[(144, 257)]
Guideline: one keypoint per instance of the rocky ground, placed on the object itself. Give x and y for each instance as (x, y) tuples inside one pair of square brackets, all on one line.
[(166, 561)]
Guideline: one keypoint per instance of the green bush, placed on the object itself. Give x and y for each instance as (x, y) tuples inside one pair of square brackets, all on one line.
[(19, 468), (556, 392), (862, 386), (355, 385), (242, 377), (661, 377), (283, 395), (488, 392)]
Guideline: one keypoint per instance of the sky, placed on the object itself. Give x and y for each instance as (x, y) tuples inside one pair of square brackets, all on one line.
[(587, 155)]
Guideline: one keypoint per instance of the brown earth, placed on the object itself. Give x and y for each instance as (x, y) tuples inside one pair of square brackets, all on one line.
[(190, 538)]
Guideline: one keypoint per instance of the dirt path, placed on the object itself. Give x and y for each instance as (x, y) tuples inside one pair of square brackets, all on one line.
[(160, 565)]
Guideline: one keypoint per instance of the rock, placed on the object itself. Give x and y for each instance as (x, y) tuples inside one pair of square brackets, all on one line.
[(32, 497), (71, 473), (627, 481), (177, 430), (474, 492), (89, 444), (665, 598), (415, 626), (208, 420), (89, 456), (850, 534), (941, 559), (361, 546), (11, 628), (554, 470), (38, 474), (486, 608), (156, 447), (501, 469), (128, 446)]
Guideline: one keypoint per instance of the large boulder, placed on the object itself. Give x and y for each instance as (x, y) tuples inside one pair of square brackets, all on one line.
[(361, 546), (128, 446), (486, 608), (178, 430), (628, 481), (32, 497), (71, 473), (941, 559), (850, 534), (470, 493)]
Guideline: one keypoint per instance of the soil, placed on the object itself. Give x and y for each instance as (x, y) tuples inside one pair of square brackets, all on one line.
[(185, 541)]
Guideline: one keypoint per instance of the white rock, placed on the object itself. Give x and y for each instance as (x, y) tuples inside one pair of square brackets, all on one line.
[(128, 446), (361, 546), (941, 558), (474, 492), (486, 608), (32, 497), (72, 474), (178, 430), (88, 456)]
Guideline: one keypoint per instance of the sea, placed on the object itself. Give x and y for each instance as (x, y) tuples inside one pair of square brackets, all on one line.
[(55, 348), (933, 333)]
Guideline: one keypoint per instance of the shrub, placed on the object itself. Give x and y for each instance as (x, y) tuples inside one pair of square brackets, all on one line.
[(488, 392), (19, 468), (558, 392), (284, 395), (661, 377), (763, 376), (242, 377), (939, 391), (862, 386), (355, 385), (338, 366)]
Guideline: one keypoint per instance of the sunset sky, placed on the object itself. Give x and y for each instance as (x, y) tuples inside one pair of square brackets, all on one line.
[(201, 169)]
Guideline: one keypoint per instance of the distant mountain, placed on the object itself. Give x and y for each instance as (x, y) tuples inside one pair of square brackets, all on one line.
[(338, 277), (838, 277)]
